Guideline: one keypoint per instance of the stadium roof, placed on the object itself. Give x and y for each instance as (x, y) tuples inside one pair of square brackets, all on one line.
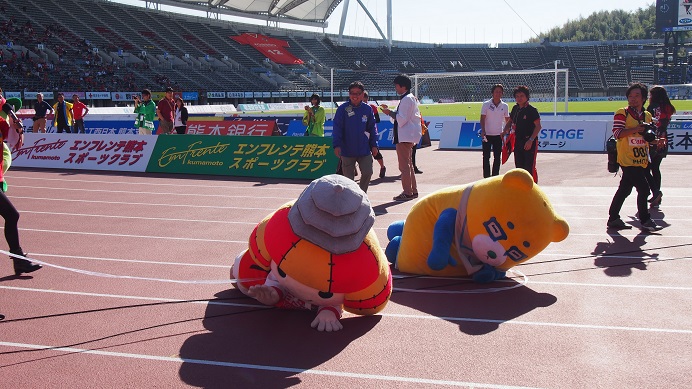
[(306, 12)]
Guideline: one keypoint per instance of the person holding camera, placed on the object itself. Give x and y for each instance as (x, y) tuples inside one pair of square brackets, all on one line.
[(146, 111), (662, 110), (314, 117), (41, 107), (629, 127)]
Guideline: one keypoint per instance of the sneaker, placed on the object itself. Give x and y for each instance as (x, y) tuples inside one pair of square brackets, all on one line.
[(618, 224), (651, 226), (383, 170), (404, 197), (415, 195), (417, 171)]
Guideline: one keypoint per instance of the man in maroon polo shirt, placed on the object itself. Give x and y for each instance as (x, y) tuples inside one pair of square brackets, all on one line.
[(165, 110)]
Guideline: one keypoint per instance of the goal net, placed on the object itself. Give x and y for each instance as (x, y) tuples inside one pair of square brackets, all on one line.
[(546, 85)]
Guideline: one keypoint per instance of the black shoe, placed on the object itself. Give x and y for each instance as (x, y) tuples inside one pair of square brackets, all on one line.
[(651, 226), (404, 197), (383, 170), (417, 171), (656, 200), (618, 224), (24, 266), (2, 317)]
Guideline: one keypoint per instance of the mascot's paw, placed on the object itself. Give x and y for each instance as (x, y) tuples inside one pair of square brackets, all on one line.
[(392, 249), (439, 262), (326, 320), (487, 274), (395, 229), (264, 294)]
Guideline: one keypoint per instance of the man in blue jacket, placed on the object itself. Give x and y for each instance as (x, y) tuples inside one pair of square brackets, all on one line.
[(354, 137)]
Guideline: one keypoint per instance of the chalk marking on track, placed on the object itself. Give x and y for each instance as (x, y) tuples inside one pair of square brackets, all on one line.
[(330, 373), (392, 315)]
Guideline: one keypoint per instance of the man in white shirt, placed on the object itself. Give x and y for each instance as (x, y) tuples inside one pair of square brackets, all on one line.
[(407, 132), (494, 115)]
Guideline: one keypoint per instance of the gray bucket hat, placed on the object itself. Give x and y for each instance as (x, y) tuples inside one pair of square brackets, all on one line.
[(333, 213)]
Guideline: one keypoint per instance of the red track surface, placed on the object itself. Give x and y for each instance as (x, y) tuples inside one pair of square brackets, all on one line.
[(598, 310)]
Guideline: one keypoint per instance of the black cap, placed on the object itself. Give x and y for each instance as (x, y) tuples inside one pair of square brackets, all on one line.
[(169, 89)]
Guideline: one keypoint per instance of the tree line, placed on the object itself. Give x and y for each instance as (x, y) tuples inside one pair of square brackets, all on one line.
[(607, 26)]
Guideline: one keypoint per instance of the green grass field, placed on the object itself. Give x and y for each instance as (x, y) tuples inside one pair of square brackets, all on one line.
[(472, 111)]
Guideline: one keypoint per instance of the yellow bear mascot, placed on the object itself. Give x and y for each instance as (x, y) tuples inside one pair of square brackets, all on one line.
[(479, 230)]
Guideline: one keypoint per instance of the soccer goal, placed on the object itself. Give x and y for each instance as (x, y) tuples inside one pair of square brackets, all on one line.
[(546, 85)]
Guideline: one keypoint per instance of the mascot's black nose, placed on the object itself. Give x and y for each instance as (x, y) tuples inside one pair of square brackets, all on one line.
[(281, 272), (325, 295)]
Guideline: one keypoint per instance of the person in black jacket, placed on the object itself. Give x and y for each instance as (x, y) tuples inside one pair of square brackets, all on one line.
[(180, 117)]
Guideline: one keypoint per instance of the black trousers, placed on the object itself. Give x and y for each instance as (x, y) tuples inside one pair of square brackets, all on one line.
[(78, 126), (11, 216), (632, 177), (525, 159), (494, 143), (653, 175)]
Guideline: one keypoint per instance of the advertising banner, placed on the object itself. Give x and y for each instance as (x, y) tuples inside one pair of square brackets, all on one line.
[(680, 137), (79, 151), (272, 48), (248, 156), (554, 136), (98, 95), (384, 131), (231, 127), (437, 122)]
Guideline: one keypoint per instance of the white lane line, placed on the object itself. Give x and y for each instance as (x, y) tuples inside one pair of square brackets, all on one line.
[(253, 223), (147, 204), (126, 297), (540, 323), (167, 204), (239, 241), (651, 287), (138, 217), (331, 373), (393, 315), (133, 236), (134, 261), (284, 198)]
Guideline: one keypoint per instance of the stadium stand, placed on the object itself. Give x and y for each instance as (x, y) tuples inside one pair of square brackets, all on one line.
[(116, 47)]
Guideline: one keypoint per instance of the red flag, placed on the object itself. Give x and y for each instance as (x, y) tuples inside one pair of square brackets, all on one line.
[(507, 147)]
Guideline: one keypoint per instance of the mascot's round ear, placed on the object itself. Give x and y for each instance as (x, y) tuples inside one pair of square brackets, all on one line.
[(519, 179), (560, 230)]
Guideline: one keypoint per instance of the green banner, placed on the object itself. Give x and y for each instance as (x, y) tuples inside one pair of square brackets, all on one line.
[(248, 156)]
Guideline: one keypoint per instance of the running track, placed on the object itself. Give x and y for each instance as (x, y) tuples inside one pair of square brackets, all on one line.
[(598, 310)]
